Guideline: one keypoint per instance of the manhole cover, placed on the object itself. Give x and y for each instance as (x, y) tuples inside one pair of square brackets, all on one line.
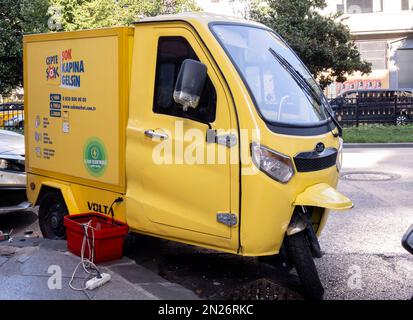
[(369, 176), (263, 289)]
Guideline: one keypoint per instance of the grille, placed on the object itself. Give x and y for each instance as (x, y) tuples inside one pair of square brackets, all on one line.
[(314, 161)]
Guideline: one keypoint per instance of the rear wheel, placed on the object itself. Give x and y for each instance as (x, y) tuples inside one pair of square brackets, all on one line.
[(51, 212), (299, 252)]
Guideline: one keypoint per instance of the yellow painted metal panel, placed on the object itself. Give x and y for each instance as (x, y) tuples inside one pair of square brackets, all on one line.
[(79, 198)]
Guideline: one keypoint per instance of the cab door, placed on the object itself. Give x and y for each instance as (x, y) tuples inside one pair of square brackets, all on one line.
[(178, 182)]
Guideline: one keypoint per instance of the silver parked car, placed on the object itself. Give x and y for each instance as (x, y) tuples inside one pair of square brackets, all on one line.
[(16, 121), (12, 173)]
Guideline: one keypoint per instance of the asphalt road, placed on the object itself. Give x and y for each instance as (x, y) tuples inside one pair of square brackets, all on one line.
[(363, 257)]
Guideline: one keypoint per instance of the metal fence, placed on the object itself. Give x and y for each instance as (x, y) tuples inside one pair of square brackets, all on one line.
[(396, 110), (391, 110), (12, 116)]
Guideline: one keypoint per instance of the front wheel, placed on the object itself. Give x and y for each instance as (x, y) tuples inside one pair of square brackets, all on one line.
[(299, 252)]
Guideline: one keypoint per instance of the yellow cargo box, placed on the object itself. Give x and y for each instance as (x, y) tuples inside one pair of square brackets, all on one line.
[(76, 104)]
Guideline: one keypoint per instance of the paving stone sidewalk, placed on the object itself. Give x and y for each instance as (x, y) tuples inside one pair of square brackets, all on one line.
[(26, 265)]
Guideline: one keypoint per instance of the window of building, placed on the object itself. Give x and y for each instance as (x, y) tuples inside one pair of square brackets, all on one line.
[(172, 51), (374, 52), (359, 6), (363, 6), (407, 5), (404, 60), (340, 6)]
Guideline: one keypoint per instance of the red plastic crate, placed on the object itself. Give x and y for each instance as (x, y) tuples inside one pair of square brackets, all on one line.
[(108, 238)]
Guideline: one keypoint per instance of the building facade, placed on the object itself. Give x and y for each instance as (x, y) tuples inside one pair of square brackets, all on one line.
[(225, 7), (383, 31)]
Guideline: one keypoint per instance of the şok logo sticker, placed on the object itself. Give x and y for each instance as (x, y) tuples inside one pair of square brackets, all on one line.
[(64, 69), (52, 69)]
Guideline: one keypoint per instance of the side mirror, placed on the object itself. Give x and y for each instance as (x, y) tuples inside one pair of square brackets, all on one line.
[(407, 241), (190, 83)]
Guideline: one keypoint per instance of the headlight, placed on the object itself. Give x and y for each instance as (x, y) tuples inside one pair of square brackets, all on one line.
[(274, 164), (339, 162), (12, 165)]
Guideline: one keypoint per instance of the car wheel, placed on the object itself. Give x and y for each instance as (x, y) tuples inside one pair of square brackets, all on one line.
[(300, 255), (51, 212), (402, 119)]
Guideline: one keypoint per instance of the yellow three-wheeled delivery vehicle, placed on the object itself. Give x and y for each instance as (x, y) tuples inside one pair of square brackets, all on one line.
[(205, 130)]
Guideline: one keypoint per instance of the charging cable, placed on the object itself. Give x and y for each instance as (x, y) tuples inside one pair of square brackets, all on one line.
[(87, 263), (117, 200)]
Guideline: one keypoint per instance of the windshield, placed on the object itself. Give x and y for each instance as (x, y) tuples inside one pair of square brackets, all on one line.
[(282, 87)]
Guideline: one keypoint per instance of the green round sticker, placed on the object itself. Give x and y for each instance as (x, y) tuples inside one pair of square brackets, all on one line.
[(95, 157)]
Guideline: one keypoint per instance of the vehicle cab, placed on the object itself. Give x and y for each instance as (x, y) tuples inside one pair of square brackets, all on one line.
[(259, 95)]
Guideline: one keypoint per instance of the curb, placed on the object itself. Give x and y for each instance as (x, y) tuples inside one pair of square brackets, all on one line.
[(378, 145)]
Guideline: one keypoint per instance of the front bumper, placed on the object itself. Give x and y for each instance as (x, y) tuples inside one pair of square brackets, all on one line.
[(23, 206), (13, 192)]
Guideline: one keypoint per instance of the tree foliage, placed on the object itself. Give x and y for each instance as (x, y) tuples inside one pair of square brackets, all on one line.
[(88, 14), (322, 41), (18, 17)]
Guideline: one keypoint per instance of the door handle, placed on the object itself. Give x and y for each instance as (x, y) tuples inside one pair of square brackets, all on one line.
[(153, 134)]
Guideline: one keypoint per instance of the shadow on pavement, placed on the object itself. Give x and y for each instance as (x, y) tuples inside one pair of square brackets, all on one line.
[(214, 275), (17, 221)]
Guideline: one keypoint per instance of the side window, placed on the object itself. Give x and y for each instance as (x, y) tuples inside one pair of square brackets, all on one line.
[(172, 51)]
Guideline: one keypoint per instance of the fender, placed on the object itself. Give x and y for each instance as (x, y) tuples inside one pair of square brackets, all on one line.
[(66, 193), (320, 195), (324, 196)]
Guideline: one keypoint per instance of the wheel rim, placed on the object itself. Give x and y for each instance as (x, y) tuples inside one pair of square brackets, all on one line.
[(401, 120)]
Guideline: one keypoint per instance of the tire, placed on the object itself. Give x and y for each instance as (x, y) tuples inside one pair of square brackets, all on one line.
[(299, 252), (51, 212)]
